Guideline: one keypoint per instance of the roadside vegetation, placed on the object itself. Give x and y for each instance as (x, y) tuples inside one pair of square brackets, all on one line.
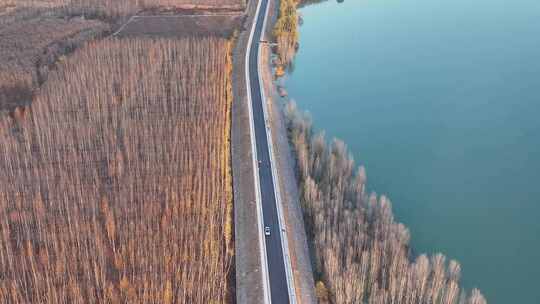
[(360, 253), (116, 186), (286, 34)]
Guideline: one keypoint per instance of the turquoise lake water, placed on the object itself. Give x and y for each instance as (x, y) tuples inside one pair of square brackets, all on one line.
[(440, 100)]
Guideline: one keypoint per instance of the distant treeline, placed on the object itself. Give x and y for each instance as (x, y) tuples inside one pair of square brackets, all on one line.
[(361, 254), (111, 8)]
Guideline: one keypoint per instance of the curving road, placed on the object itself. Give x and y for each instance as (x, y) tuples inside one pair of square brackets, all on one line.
[(274, 252)]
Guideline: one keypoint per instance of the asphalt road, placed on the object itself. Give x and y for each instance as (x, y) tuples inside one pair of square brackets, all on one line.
[(274, 251)]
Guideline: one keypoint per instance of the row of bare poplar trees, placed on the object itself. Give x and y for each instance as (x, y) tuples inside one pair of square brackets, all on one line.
[(116, 188), (361, 253)]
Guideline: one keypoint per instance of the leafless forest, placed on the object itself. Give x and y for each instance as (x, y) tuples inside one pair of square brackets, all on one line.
[(116, 186), (361, 254)]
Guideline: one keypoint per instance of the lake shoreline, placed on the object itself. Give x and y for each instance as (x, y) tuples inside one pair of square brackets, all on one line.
[(443, 116), (422, 204)]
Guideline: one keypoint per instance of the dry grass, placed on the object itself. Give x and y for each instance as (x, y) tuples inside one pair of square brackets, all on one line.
[(117, 188), (184, 26), (29, 48), (20, 10)]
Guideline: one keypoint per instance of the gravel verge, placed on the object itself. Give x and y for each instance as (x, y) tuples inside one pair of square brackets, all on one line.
[(249, 284)]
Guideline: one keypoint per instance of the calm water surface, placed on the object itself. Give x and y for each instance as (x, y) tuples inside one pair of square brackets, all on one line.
[(440, 100)]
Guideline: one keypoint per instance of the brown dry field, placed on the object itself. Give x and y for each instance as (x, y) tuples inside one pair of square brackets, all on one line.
[(28, 49), (181, 26), (116, 186)]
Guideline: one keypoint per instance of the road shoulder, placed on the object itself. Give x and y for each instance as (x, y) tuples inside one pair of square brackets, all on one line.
[(249, 284)]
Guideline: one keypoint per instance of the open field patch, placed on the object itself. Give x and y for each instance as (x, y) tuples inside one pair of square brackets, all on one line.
[(182, 26), (28, 49), (117, 189)]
